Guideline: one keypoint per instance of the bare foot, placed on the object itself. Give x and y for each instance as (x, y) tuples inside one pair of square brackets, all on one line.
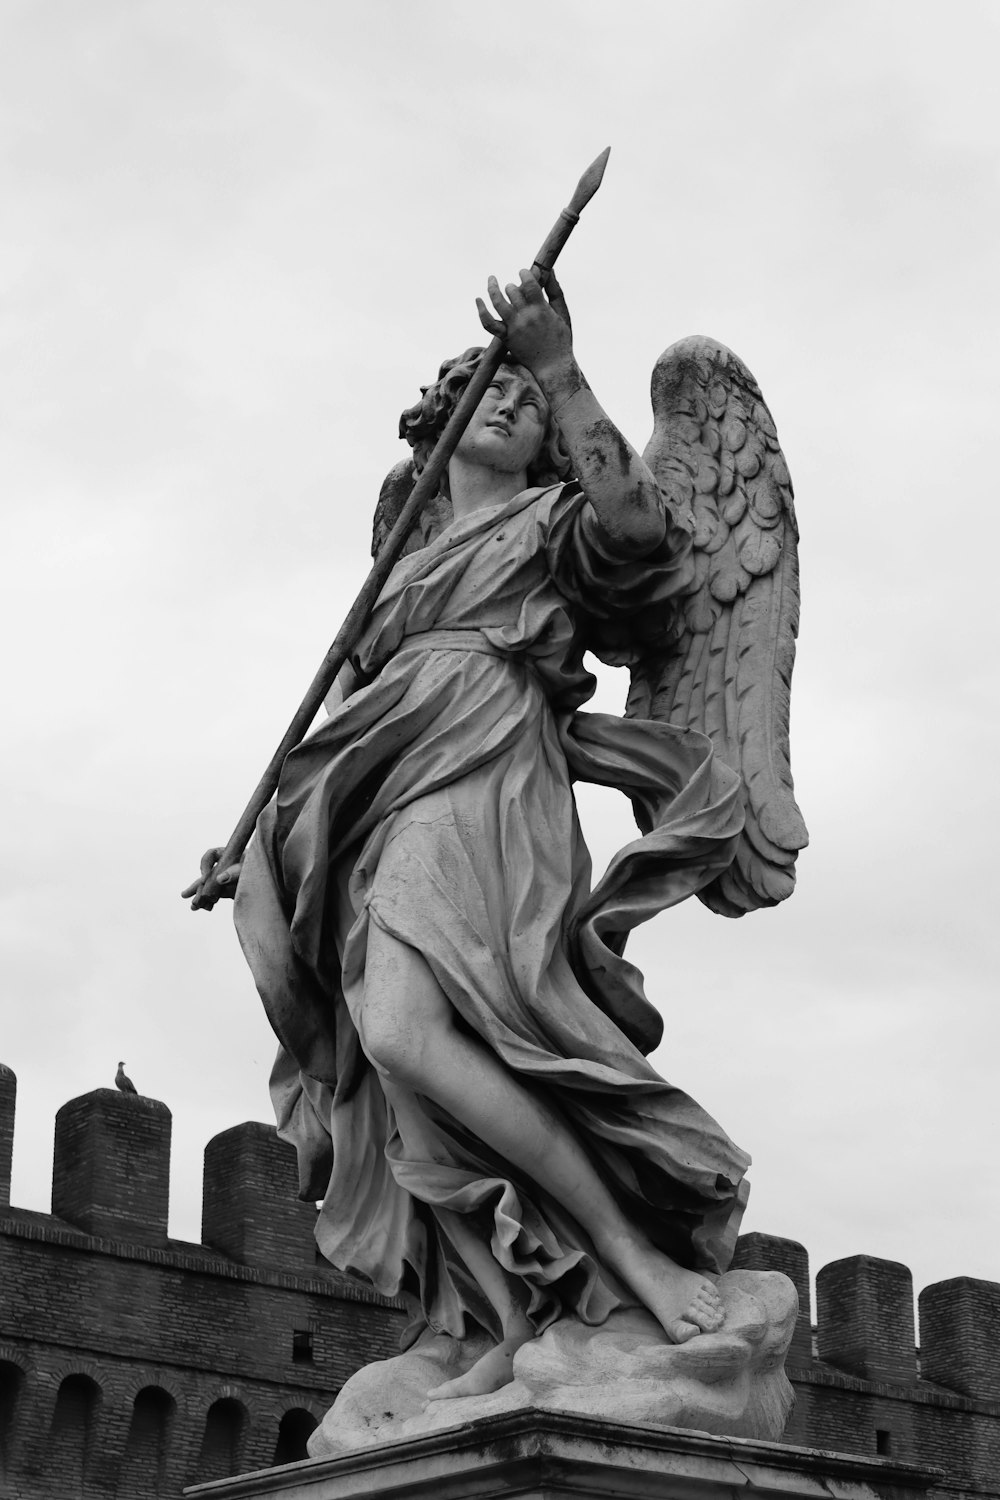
[(684, 1303), (702, 1309), (492, 1370)]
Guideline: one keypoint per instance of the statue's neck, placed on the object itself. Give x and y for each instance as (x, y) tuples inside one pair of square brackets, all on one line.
[(474, 487)]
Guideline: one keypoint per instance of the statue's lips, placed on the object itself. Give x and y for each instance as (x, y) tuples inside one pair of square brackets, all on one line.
[(499, 427)]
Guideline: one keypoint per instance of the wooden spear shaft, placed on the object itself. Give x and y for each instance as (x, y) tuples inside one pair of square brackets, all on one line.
[(426, 487)]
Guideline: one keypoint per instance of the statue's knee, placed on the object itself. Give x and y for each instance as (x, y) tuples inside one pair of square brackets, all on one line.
[(404, 1016), (391, 1048)]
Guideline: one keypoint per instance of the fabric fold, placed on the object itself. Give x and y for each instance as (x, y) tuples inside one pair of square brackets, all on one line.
[(450, 773)]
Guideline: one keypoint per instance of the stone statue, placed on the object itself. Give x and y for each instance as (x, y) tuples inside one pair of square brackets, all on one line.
[(463, 1043)]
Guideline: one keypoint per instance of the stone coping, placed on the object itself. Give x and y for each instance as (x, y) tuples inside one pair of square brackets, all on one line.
[(184, 1255), (920, 1391), (539, 1455)]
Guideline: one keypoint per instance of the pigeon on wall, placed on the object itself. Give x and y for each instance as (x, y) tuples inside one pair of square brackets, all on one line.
[(123, 1082)]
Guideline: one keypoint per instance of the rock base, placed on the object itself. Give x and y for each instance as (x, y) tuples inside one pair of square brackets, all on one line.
[(731, 1382)]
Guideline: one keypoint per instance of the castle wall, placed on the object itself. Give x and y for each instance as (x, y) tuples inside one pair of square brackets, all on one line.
[(132, 1365), (861, 1384)]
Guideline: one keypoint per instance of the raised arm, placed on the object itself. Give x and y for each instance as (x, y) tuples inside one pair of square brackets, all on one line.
[(622, 491)]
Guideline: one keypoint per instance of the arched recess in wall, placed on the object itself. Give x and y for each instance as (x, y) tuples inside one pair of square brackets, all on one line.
[(143, 1473), (74, 1430), (11, 1385), (222, 1443), (294, 1431)]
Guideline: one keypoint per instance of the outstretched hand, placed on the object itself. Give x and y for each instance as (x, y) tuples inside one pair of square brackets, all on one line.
[(226, 881), (535, 328)]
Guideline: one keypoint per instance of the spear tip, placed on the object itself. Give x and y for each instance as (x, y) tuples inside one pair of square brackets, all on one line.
[(589, 182)]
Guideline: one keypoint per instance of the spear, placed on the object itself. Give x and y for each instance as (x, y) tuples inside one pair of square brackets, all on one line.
[(426, 487)]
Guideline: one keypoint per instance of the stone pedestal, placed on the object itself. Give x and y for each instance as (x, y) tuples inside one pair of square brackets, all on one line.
[(553, 1456)]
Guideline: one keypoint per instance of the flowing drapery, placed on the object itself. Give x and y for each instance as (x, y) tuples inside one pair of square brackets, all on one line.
[(437, 802)]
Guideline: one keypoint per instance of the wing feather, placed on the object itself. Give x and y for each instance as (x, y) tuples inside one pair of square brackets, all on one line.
[(393, 495), (715, 453)]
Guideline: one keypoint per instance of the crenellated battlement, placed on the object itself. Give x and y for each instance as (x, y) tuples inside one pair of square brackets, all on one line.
[(132, 1363), (8, 1102), (111, 1179), (865, 1325), (861, 1383), (257, 1332), (249, 1204), (111, 1166)]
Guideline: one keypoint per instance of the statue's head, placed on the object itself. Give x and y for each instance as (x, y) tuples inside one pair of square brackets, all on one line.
[(423, 424)]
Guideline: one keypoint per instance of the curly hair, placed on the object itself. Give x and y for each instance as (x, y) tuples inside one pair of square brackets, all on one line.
[(423, 424)]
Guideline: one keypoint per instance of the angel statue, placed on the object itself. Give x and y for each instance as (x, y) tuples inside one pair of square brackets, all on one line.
[(463, 1066)]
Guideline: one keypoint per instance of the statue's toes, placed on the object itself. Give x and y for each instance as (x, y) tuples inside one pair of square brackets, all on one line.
[(680, 1330), (708, 1313)]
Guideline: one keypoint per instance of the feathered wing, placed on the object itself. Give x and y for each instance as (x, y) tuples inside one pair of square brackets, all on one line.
[(725, 665), (433, 518)]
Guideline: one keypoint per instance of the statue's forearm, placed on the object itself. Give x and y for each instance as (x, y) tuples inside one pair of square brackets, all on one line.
[(624, 494)]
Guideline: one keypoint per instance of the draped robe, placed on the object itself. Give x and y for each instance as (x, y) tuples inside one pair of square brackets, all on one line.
[(437, 803)]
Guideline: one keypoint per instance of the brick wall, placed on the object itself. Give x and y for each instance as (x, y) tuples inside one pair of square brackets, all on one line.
[(111, 1165), (861, 1384), (132, 1365)]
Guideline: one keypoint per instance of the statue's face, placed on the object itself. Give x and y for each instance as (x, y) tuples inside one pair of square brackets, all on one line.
[(508, 427)]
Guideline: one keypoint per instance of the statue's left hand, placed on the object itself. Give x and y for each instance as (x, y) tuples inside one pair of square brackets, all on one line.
[(227, 881), (535, 328)]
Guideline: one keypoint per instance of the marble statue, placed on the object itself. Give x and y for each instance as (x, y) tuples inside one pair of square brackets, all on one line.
[(463, 1064)]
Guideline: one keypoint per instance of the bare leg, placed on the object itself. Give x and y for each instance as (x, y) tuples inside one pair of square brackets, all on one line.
[(408, 1031), (495, 1368)]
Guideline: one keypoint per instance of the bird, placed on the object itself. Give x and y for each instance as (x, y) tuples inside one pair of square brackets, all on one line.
[(123, 1082)]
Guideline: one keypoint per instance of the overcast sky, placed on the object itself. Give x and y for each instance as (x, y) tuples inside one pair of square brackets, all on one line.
[(238, 236)]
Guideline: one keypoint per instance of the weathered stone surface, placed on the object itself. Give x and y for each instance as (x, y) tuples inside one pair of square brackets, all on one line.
[(730, 1382), (538, 1455)]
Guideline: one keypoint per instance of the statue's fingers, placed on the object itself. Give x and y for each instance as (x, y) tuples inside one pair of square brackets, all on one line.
[(230, 875), (190, 890), (209, 860), (501, 304), (514, 294), (530, 286), (557, 300), (489, 323)]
